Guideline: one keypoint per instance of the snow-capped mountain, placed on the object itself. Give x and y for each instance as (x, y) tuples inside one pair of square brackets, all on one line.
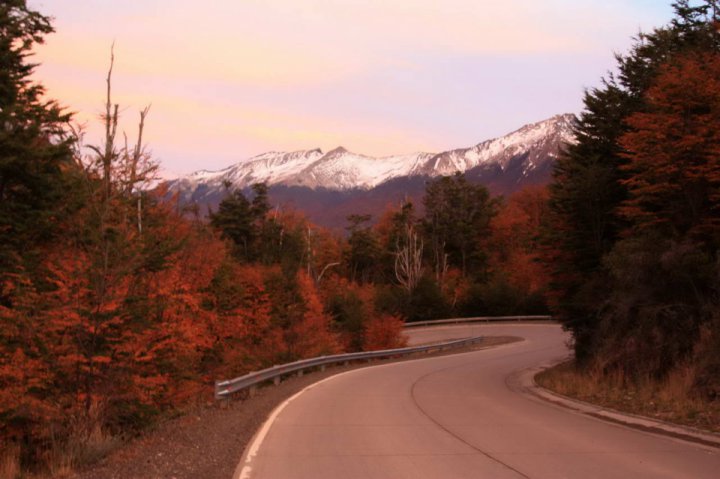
[(341, 170), (314, 180), (540, 141)]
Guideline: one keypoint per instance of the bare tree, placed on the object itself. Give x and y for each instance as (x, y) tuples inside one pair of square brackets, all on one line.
[(408, 259), (137, 170), (126, 171)]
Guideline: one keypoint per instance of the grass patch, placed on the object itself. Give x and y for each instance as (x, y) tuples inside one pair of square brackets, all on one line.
[(669, 400), (9, 462)]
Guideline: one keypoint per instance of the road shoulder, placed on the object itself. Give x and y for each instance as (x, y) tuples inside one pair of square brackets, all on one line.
[(524, 381)]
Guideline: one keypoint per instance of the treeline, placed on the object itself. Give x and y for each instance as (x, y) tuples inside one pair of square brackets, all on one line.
[(465, 254), (636, 212)]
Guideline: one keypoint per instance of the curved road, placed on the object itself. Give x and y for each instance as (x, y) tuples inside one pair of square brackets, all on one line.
[(458, 416)]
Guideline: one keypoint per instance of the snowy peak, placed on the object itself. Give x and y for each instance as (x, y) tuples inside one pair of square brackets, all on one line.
[(339, 169), (541, 141), (339, 151), (265, 168)]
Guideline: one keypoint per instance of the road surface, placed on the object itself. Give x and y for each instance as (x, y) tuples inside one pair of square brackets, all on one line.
[(458, 416)]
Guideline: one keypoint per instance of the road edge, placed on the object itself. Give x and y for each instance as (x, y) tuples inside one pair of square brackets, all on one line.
[(526, 381), (243, 468)]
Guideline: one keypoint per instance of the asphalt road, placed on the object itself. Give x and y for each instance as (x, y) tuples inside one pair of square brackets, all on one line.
[(458, 416)]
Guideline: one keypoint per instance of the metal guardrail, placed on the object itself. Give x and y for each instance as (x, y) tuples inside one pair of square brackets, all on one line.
[(223, 389), (478, 319)]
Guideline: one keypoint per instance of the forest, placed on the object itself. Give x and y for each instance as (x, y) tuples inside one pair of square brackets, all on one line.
[(118, 308), (635, 213)]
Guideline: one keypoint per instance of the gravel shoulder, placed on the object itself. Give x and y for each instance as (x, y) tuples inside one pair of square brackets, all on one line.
[(208, 441)]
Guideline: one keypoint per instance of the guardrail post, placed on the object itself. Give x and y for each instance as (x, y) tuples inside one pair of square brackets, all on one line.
[(276, 380), (251, 391), (322, 367), (300, 373)]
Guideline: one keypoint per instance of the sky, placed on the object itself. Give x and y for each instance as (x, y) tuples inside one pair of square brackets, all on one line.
[(230, 79)]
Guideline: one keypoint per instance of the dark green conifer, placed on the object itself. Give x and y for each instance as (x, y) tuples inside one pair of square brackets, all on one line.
[(35, 149)]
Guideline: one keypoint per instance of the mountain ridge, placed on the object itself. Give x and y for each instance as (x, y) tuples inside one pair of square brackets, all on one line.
[(342, 169), (348, 181)]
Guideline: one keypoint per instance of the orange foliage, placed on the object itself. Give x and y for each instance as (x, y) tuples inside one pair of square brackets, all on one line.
[(515, 246), (245, 338), (312, 333), (454, 286), (141, 322), (386, 225), (383, 332), (673, 150)]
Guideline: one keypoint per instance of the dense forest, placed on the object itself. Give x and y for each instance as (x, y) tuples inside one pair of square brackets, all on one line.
[(635, 212), (117, 307)]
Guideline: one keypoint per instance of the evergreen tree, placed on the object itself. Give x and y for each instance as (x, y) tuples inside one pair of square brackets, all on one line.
[(457, 220), (234, 219), (259, 236), (273, 242), (363, 250), (35, 150)]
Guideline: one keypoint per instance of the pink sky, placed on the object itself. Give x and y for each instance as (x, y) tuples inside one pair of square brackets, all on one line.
[(242, 77)]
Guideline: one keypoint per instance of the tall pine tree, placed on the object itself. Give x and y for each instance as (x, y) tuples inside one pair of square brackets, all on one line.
[(35, 151)]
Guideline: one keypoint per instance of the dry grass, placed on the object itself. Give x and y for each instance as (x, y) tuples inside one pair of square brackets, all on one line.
[(9, 462), (82, 442), (670, 400)]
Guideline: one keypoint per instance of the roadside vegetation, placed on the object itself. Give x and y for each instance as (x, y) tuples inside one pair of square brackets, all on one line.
[(635, 229), (671, 399)]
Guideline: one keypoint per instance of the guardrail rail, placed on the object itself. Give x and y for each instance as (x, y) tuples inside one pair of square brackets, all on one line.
[(478, 319), (225, 388)]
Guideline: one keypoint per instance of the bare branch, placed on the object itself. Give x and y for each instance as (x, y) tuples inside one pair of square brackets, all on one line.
[(408, 260)]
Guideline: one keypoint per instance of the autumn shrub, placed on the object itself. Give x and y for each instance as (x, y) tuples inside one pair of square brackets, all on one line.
[(312, 333), (359, 319), (383, 332), (243, 334)]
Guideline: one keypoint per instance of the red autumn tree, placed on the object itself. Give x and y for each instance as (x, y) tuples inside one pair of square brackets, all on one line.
[(673, 151), (383, 332), (245, 339), (312, 330), (515, 239), (24, 377), (172, 297)]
